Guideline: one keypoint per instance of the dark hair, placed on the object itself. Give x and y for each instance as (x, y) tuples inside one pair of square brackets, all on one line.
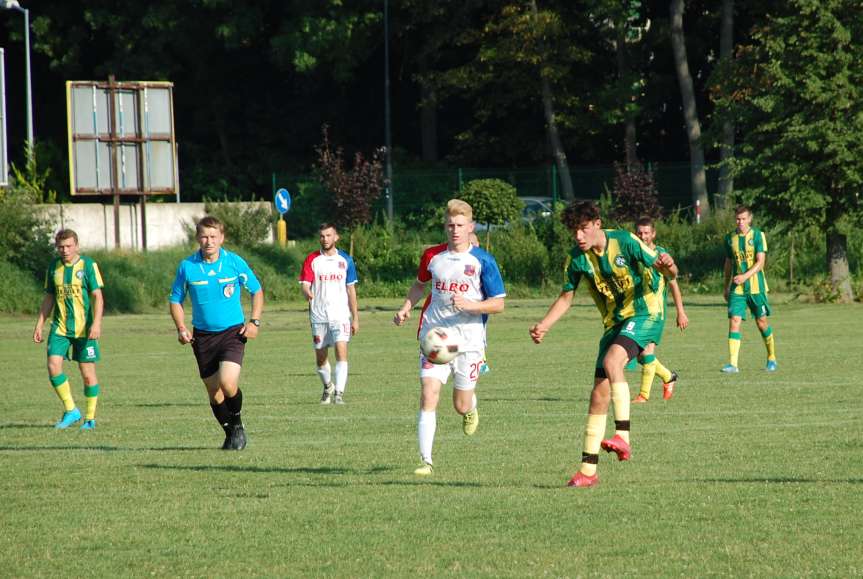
[(328, 225), (209, 222), (742, 209), (579, 212), (645, 222), (65, 234)]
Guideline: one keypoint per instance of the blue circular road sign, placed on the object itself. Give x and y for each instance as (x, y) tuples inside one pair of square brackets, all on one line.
[(283, 201)]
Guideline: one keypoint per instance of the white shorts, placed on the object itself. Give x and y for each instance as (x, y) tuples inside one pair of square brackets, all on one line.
[(326, 334), (465, 367)]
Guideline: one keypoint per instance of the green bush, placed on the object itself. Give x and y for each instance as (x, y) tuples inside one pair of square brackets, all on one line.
[(494, 201), (521, 256), (25, 235), (244, 226), (20, 292)]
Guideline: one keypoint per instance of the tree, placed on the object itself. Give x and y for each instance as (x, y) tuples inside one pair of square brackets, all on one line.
[(690, 111), (353, 192), (494, 202), (726, 146), (796, 90), (635, 194)]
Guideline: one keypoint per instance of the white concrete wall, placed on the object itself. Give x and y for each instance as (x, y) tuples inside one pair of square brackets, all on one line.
[(94, 223)]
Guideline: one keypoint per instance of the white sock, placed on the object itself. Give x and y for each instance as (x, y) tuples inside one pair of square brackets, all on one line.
[(324, 373), (426, 426), (473, 407), (341, 376)]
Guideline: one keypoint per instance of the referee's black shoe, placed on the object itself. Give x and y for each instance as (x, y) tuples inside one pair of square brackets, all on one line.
[(227, 444), (237, 438)]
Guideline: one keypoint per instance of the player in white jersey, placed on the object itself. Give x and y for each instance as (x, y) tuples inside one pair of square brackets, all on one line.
[(328, 280), (466, 286)]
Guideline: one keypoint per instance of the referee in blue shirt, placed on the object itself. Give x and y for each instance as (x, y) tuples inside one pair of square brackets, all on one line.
[(212, 277)]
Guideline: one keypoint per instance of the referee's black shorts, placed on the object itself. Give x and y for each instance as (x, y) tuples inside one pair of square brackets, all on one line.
[(212, 348)]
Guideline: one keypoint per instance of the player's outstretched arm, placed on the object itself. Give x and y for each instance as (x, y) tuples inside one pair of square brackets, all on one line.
[(98, 309), (415, 294), (760, 259), (493, 305), (557, 309), (251, 330), (44, 312), (179, 317), (666, 266), (726, 284), (354, 307), (682, 318)]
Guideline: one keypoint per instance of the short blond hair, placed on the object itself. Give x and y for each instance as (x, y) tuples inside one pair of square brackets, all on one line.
[(459, 207)]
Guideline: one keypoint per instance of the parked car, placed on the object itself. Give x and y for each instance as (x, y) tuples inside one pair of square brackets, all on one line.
[(534, 207)]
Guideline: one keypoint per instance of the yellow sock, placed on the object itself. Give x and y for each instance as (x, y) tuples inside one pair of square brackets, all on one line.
[(61, 388), (648, 371), (92, 395), (620, 397), (593, 433), (663, 372), (733, 347), (769, 343)]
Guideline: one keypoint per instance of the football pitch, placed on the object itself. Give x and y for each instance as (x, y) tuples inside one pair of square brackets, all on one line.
[(753, 474)]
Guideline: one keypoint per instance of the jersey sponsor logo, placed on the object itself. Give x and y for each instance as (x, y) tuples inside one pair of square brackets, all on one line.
[(620, 261), (470, 270), (228, 290), (68, 291), (331, 277), (451, 286)]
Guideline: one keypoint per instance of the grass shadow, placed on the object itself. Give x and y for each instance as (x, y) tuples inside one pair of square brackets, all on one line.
[(779, 480), (25, 425)]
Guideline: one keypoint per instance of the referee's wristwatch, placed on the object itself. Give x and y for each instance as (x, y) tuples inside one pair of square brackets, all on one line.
[(256, 322)]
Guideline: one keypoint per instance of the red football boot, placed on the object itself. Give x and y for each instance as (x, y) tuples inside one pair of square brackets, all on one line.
[(617, 445), (668, 387), (582, 480)]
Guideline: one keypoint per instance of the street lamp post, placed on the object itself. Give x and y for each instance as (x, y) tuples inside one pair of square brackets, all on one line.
[(13, 5), (387, 128)]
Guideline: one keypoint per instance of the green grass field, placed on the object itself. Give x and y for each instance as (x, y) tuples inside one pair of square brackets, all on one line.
[(749, 475)]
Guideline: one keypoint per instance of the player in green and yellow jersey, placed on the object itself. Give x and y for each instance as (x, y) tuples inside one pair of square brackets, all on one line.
[(612, 262), (746, 287), (73, 289), (650, 365)]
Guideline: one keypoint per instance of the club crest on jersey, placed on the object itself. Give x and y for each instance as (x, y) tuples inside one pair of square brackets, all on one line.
[(470, 270), (341, 265), (619, 261), (79, 274), (750, 242), (228, 290)]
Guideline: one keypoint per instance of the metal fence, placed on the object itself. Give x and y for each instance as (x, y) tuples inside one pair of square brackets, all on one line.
[(414, 188)]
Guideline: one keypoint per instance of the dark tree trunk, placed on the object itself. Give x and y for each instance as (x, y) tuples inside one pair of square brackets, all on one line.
[(552, 133), (428, 117), (837, 258), (726, 150), (690, 112), (629, 134)]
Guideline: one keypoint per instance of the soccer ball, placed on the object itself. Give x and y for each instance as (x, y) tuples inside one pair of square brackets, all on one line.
[(440, 345)]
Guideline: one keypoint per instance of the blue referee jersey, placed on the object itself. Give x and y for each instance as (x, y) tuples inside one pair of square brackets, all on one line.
[(214, 289)]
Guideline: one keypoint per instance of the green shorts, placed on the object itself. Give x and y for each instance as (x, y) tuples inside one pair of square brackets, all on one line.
[(78, 349), (755, 303), (642, 330)]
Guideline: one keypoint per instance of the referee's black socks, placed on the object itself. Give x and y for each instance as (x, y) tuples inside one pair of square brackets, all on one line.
[(234, 407)]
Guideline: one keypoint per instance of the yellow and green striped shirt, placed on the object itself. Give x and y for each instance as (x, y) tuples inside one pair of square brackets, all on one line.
[(657, 283), (72, 286), (742, 250), (615, 277)]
